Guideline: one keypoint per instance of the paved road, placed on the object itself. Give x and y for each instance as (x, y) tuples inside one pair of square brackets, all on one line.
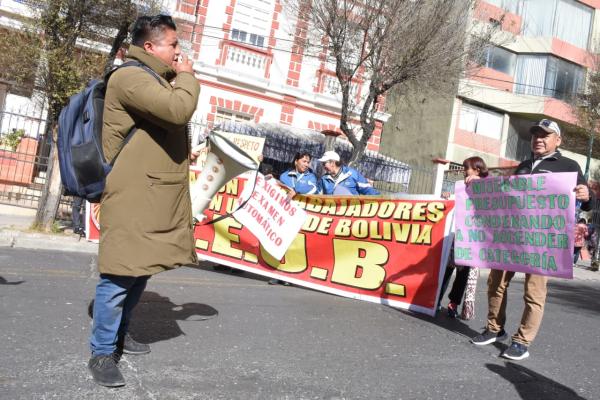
[(215, 335)]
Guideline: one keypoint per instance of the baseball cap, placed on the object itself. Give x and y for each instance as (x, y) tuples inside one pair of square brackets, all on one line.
[(545, 125), (330, 156)]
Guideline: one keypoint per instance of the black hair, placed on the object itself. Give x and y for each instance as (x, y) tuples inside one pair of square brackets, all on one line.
[(146, 28), (476, 163), (265, 168), (299, 155)]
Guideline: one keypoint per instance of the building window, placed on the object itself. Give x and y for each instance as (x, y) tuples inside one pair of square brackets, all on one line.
[(567, 20), (547, 76), (332, 86), (252, 21), (481, 121), (499, 59), (508, 5), (230, 116), (517, 146)]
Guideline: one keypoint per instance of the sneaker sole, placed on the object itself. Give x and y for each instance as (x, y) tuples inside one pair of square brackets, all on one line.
[(521, 357), (111, 384), (136, 353), (490, 341)]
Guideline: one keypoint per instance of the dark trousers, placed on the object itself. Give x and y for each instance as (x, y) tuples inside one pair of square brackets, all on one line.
[(576, 254), (77, 213), (458, 286)]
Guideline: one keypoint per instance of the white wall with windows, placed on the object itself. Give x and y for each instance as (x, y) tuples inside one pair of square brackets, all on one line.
[(568, 20), (252, 21), (481, 121), (543, 75), (499, 59), (512, 6)]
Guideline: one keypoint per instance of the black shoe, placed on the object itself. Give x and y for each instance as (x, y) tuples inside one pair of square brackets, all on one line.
[(285, 283), (130, 346), (516, 351), (452, 310), (273, 281), (105, 371), (487, 337)]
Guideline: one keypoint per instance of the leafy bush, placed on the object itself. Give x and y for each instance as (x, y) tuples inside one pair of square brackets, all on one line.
[(12, 139)]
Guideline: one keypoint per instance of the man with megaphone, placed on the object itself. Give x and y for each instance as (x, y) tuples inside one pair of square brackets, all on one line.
[(146, 222)]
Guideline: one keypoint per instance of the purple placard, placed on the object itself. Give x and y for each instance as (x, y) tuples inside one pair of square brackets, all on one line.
[(522, 223)]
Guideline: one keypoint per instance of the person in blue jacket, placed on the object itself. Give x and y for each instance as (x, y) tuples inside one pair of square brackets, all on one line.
[(300, 178), (340, 179)]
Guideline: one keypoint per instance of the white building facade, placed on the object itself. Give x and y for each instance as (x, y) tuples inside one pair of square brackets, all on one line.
[(254, 63)]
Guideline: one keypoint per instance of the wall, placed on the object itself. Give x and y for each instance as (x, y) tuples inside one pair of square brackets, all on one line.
[(418, 128)]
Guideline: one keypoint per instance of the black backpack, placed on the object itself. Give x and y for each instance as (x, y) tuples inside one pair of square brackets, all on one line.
[(83, 168)]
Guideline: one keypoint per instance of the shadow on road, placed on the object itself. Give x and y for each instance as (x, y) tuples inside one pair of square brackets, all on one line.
[(223, 269), (576, 295), (455, 325), (155, 317), (531, 385), (5, 282)]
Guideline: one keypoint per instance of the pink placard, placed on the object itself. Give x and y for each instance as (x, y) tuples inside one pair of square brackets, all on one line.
[(522, 223)]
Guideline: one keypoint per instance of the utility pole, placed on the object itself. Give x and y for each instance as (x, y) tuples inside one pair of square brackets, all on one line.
[(589, 156)]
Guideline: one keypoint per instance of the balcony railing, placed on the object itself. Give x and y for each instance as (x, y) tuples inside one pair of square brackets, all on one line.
[(247, 60)]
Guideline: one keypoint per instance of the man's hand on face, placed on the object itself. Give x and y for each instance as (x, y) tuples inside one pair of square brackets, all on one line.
[(186, 65), (582, 193)]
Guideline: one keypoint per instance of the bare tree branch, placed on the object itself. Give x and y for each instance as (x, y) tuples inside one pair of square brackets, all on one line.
[(389, 44)]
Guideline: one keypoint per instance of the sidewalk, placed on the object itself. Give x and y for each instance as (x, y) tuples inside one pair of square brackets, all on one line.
[(15, 231), (15, 224)]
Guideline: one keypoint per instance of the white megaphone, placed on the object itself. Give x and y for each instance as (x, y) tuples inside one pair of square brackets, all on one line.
[(224, 161)]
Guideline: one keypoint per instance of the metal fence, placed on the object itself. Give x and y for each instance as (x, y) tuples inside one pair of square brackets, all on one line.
[(455, 174), (281, 143), (23, 168), (23, 165)]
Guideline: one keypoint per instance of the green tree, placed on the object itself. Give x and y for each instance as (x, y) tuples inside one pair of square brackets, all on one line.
[(64, 48)]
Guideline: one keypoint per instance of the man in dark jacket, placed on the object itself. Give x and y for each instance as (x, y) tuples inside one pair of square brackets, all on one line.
[(146, 208), (545, 139)]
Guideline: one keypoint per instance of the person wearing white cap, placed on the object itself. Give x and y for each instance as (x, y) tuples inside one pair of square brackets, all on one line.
[(340, 179), (545, 139)]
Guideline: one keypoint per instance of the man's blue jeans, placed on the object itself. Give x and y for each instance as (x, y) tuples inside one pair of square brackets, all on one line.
[(116, 296)]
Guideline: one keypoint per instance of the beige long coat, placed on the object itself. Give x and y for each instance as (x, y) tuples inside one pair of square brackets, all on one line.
[(145, 212)]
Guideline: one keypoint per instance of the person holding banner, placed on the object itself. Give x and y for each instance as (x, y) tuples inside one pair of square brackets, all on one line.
[(301, 178), (343, 180), (545, 139), (466, 277), (146, 206)]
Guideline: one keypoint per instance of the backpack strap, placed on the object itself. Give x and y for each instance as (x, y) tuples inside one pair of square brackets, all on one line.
[(132, 63)]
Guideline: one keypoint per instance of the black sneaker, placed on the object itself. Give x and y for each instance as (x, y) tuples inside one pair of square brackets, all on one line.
[(487, 337), (516, 351), (105, 371), (452, 310), (130, 346)]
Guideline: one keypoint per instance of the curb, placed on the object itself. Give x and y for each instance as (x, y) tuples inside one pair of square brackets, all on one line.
[(62, 242), (34, 240)]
